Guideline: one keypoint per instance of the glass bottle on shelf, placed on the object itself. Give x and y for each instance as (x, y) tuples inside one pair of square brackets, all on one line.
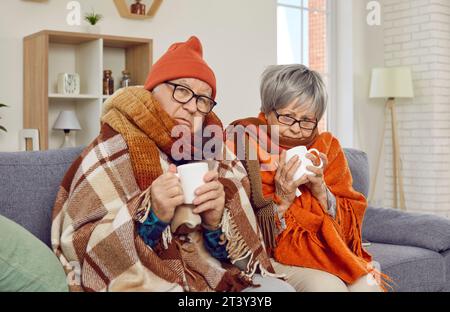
[(138, 8), (108, 82), (126, 80)]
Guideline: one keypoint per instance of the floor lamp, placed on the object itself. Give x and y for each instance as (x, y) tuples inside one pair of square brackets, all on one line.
[(390, 84)]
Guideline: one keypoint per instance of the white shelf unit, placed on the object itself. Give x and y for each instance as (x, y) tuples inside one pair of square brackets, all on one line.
[(84, 59), (87, 55)]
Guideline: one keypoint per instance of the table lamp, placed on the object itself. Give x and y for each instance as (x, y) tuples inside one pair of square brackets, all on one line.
[(390, 84), (67, 121)]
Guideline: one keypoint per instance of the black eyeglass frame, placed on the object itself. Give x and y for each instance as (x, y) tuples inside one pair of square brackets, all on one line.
[(294, 121), (194, 95)]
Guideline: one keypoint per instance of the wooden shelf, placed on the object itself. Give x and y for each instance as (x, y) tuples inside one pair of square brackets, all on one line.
[(73, 96), (64, 37), (124, 10), (49, 53)]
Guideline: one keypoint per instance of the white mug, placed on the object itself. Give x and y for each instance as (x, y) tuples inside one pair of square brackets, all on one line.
[(192, 177), (301, 152)]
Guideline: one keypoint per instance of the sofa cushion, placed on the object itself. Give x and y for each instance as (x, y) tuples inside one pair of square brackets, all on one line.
[(397, 227), (26, 263), (359, 167), (411, 268), (30, 181)]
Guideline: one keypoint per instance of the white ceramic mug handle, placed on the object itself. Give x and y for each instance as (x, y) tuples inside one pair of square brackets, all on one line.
[(318, 154)]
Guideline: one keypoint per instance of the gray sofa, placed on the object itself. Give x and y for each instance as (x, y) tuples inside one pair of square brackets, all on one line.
[(414, 250)]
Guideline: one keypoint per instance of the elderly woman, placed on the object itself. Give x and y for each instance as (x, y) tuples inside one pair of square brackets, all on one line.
[(315, 238), (119, 222)]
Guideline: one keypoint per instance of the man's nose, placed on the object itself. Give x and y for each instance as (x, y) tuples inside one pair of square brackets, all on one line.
[(191, 106)]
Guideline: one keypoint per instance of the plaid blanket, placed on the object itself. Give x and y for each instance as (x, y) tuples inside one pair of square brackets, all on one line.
[(94, 227)]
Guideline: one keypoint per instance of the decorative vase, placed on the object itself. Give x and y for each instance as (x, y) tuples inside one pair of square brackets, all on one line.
[(138, 8), (108, 82), (93, 29), (126, 80)]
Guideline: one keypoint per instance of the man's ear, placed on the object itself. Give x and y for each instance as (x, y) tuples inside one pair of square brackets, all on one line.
[(156, 89)]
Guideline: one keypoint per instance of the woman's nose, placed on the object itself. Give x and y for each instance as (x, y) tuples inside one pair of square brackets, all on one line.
[(296, 128)]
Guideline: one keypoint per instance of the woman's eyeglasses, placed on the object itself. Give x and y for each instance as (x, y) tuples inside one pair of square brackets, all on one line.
[(183, 95), (290, 121)]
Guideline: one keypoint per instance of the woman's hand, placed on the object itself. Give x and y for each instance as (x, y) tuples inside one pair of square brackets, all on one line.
[(166, 194), (285, 186), (210, 201), (316, 183)]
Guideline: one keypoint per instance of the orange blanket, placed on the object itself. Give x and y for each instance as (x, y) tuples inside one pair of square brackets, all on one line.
[(313, 238)]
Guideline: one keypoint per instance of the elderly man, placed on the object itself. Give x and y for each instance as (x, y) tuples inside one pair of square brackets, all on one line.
[(119, 221)]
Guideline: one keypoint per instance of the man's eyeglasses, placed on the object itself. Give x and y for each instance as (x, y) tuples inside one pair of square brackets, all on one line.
[(183, 95), (303, 123)]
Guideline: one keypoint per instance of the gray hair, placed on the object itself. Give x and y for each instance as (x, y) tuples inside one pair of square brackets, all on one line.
[(282, 84)]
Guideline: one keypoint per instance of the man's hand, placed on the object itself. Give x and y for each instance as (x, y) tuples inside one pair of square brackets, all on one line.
[(166, 194), (210, 200)]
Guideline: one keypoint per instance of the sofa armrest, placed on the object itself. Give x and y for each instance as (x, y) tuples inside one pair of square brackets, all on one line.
[(391, 226)]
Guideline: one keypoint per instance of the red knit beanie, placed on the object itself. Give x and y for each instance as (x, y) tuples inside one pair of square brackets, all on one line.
[(182, 60)]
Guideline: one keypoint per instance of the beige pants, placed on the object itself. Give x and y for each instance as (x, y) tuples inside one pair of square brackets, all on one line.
[(311, 280)]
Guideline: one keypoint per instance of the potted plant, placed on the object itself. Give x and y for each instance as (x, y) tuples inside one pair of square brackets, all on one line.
[(93, 19), (1, 127)]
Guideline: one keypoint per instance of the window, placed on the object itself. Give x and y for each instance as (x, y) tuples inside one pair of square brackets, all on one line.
[(303, 37)]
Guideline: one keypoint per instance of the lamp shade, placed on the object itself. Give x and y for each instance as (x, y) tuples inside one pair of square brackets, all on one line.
[(393, 82), (67, 120)]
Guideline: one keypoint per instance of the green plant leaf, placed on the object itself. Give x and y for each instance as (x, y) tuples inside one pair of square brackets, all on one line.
[(93, 18), (3, 105), (3, 128)]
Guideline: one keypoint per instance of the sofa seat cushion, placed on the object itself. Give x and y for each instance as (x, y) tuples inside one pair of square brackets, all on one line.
[(26, 263), (411, 268), (393, 226)]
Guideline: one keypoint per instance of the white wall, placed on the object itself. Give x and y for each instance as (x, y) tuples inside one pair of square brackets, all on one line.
[(356, 120), (368, 52), (239, 39), (418, 35)]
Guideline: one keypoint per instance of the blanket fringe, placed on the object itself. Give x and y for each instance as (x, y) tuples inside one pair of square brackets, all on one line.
[(265, 273), (238, 250), (236, 247), (266, 221), (384, 281), (145, 206)]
